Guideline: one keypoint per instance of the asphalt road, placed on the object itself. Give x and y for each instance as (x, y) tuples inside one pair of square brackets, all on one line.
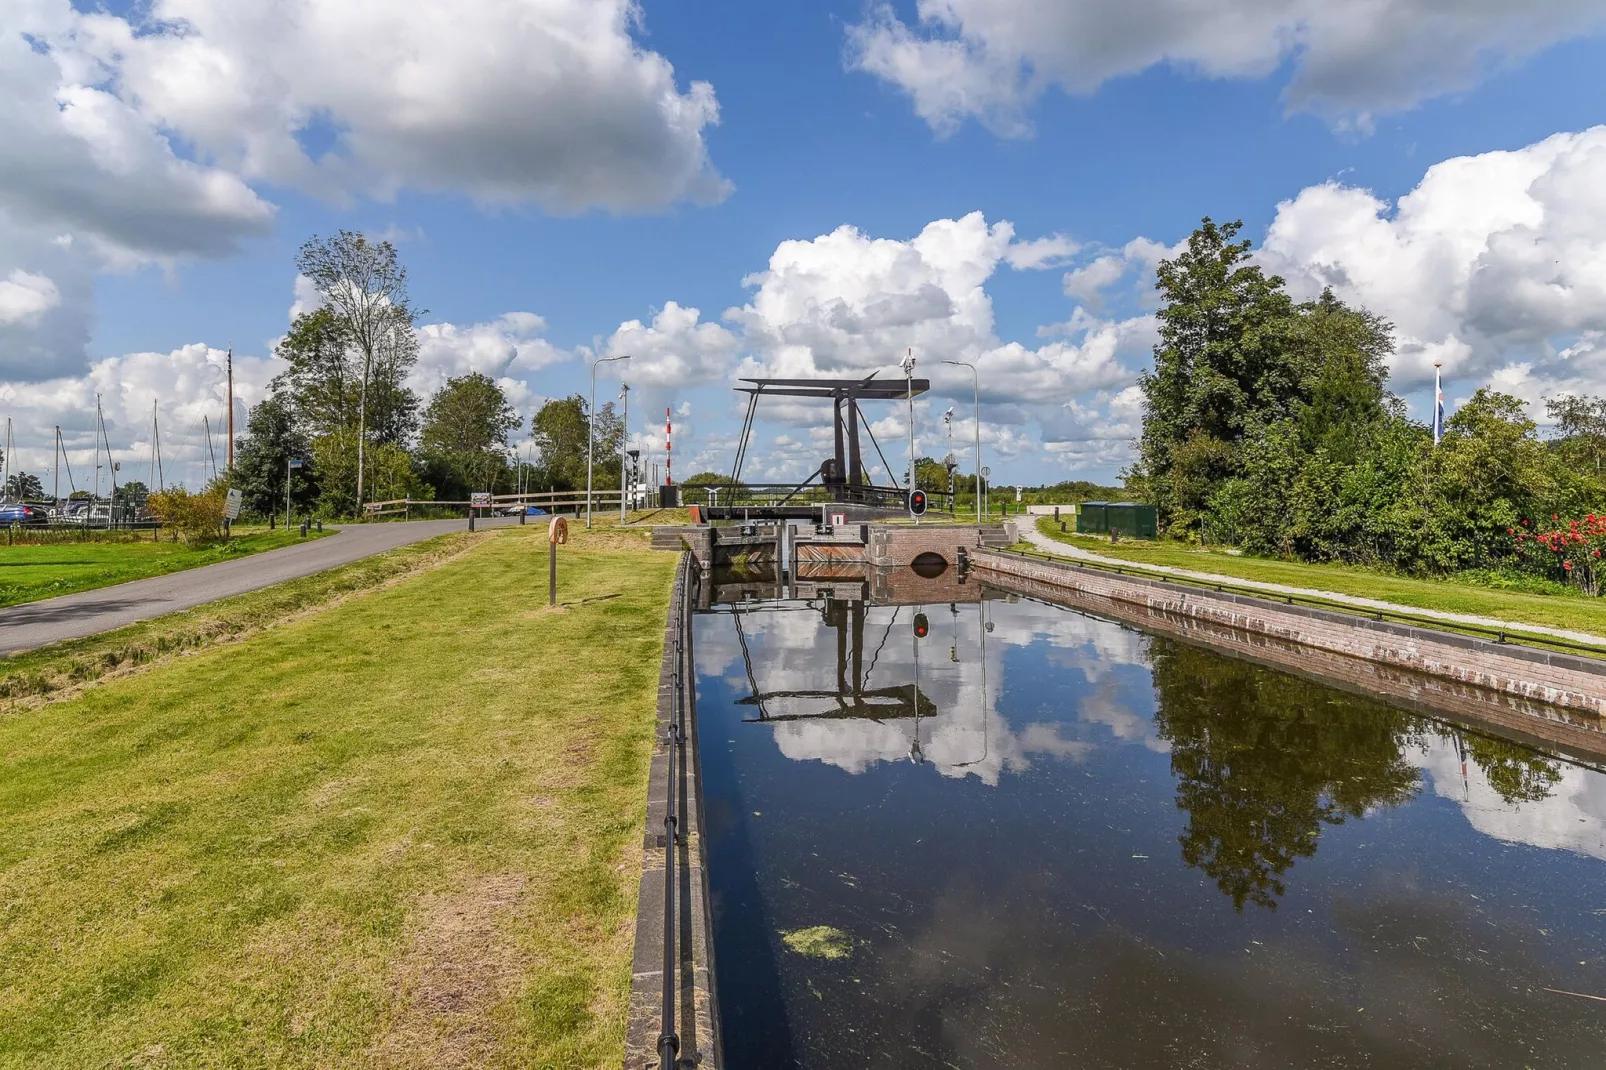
[(73, 616)]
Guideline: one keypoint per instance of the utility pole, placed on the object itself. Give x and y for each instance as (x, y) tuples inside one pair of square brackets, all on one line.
[(624, 448), (975, 386), (591, 427)]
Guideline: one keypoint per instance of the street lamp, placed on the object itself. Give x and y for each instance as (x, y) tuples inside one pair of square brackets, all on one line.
[(975, 386), (591, 427), (948, 459), (908, 366), (624, 448)]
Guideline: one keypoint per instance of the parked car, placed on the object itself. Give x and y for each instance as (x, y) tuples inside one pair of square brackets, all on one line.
[(20, 513)]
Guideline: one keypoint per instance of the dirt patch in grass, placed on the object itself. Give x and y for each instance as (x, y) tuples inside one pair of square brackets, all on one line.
[(458, 971)]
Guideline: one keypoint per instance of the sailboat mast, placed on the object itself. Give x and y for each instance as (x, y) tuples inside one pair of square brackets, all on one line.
[(210, 452), (231, 411)]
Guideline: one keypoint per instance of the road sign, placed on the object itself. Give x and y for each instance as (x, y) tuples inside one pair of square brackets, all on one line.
[(295, 462), (231, 504), (480, 499)]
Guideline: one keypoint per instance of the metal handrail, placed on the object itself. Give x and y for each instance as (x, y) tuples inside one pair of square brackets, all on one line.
[(1501, 636), (668, 1036)]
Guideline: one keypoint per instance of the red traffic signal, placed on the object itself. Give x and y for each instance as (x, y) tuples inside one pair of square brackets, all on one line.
[(922, 626), (917, 502)]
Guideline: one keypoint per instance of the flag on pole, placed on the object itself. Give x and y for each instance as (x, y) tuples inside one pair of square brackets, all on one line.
[(1438, 406)]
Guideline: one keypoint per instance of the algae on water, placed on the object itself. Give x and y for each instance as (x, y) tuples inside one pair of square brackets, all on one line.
[(819, 942)]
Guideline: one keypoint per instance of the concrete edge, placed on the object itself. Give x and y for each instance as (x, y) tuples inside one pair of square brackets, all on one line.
[(1357, 619), (1542, 698), (696, 1014)]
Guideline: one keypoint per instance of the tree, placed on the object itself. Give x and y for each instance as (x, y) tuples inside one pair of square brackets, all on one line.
[(1222, 359), (364, 286), (133, 493), (560, 429), (261, 462), (1345, 350), (465, 433), (1580, 430), (22, 486)]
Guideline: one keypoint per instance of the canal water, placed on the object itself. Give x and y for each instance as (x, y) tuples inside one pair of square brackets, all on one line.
[(1001, 833)]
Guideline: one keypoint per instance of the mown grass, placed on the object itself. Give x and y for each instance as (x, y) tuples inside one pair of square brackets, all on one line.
[(64, 666), (402, 831), (1555, 611), (29, 573)]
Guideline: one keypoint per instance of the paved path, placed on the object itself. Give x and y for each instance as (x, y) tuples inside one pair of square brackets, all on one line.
[(73, 616), (1054, 546)]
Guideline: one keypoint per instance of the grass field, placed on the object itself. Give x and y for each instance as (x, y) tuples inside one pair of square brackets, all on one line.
[(400, 831), (28, 573), (1555, 611)]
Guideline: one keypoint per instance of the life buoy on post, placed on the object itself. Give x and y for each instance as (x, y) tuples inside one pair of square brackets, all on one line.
[(556, 532)]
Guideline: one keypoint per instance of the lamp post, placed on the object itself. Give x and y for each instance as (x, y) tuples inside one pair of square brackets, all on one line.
[(908, 366), (948, 460), (624, 448), (975, 386), (591, 427)]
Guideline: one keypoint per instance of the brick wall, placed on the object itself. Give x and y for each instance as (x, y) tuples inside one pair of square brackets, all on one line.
[(1556, 698)]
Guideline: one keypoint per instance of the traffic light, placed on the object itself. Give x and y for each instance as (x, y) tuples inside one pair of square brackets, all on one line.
[(922, 626), (917, 502)]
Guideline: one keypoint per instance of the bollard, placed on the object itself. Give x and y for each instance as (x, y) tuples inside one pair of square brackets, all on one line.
[(1056, 512), (1062, 526), (320, 525), (521, 518), (273, 520), (306, 525), (471, 519)]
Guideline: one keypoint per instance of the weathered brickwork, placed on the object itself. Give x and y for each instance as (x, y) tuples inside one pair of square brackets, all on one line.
[(1555, 698)]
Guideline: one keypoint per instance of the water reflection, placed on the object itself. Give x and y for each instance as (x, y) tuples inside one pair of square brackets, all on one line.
[(1133, 852), (1263, 761)]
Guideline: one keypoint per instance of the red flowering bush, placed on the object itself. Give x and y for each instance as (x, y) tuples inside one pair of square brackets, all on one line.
[(1571, 552)]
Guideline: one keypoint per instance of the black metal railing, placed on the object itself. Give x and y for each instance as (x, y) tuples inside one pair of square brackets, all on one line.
[(675, 735), (1501, 636)]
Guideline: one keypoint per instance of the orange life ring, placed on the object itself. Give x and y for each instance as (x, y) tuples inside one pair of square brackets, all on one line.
[(557, 532)]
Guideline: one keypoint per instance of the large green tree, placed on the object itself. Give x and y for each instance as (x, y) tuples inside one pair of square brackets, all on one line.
[(362, 289), (261, 461), (1238, 356), (465, 435), (560, 429)]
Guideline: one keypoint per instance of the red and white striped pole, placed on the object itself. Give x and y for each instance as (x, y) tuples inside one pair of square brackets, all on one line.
[(669, 456)]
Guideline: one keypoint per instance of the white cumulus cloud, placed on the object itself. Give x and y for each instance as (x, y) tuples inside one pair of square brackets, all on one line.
[(1494, 265), (990, 59)]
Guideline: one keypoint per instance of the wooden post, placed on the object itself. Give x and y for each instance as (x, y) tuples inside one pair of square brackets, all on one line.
[(557, 531)]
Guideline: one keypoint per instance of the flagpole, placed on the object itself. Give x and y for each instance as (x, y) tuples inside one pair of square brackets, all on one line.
[(1438, 405)]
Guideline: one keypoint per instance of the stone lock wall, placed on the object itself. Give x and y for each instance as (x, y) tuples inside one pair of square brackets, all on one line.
[(1554, 697)]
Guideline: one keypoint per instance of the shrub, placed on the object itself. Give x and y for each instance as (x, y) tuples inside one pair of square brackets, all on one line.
[(1570, 551), (194, 518)]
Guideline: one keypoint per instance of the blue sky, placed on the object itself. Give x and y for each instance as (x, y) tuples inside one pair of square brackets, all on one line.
[(813, 133)]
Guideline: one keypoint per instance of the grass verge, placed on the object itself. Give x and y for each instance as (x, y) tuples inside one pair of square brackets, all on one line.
[(1553, 611), (64, 667), (400, 832), (29, 573)]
